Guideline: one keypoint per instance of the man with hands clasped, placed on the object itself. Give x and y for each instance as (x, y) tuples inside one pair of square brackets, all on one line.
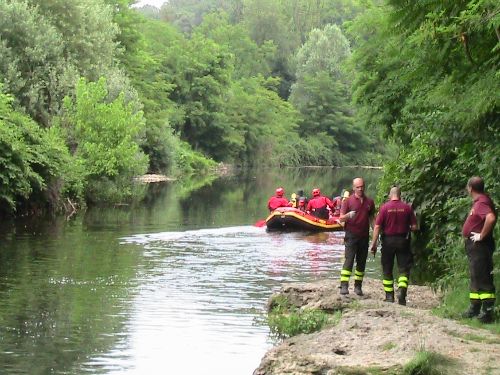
[(395, 221), (358, 214), (479, 246)]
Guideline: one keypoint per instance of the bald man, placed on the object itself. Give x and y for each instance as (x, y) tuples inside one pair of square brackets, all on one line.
[(395, 221), (480, 246), (358, 214)]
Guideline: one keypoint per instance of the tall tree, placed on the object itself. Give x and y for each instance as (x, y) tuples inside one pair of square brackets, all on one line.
[(107, 137), (322, 95)]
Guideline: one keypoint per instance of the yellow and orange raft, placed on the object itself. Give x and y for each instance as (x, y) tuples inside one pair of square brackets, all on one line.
[(293, 219)]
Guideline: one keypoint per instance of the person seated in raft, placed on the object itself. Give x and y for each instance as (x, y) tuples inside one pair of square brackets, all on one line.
[(319, 206), (337, 202), (301, 200), (278, 200), (302, 204)]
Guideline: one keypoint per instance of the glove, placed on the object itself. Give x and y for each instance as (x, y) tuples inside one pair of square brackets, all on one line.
[(351, 214), (475, 237)]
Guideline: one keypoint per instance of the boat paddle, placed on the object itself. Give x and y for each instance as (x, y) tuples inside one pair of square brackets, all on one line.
[(260, 224)]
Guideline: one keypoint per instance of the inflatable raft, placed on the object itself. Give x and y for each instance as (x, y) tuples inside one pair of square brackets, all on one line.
[(293, 219)]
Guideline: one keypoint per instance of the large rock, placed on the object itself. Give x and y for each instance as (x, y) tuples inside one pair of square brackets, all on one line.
[(377, 334)]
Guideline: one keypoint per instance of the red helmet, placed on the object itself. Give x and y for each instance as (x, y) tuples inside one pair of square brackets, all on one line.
[(280, 192), (316, 192)]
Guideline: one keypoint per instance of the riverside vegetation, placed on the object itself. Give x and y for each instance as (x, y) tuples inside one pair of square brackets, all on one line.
[(108, 92)]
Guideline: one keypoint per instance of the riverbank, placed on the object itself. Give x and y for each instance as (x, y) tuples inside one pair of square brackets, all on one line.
[(376, 337)]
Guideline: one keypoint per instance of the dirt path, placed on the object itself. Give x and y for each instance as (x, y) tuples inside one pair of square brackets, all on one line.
[(376, 334)]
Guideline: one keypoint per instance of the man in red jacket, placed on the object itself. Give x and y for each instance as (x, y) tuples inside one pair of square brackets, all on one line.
[(319, 206), (278, 200)]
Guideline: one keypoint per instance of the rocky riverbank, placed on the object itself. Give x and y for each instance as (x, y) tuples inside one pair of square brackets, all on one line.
[(376, 337)]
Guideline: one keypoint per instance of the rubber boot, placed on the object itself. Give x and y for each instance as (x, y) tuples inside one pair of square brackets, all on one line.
[(402, 296), (474, 310), (344, 287), (357, 287), (486, 316), (389, 297)]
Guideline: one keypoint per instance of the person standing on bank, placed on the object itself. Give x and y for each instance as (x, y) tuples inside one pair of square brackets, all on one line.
[(479, 246), (358, 214), (395, 221)]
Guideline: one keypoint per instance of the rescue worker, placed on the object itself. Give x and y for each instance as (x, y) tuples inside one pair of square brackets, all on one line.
[(278, 200), (302, 204), (337, 203), (358, 214), (319, 206), (479, 246), (394, 222)]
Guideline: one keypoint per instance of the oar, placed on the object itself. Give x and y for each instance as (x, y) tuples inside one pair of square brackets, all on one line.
[(260, 224)]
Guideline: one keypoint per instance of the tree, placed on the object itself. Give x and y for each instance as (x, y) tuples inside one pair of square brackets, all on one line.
[(322, 95), (201, 72), (107, 141), (429, 74), (33, 162)]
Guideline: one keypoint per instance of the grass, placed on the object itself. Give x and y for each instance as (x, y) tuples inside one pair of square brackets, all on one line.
[(474, 337), (300, 321), (429, 363), (389, 346), (455, 301), (288, 321)]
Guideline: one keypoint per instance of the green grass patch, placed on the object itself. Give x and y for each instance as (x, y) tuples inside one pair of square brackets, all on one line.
[(300, 321), (389, 346), (285, 320), (429, 363), (474, 337)]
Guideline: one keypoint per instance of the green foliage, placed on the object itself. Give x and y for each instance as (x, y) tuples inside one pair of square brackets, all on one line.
[(107, 141), (287, 322), (264, 124), (427, 77), (429, 363), (187, 160), (201, 72), (322, 96), (31, 160), (250, 59)]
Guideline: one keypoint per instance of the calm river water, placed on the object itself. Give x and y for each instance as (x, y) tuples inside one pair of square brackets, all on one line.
[(175, 285)]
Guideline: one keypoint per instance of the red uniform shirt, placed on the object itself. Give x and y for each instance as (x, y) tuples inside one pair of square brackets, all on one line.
[(483, 205), (319, 202), (275, 202), (396, 217), (360, 225)]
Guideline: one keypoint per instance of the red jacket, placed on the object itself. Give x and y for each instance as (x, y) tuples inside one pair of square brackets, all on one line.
[(319, 202), (275, 202)]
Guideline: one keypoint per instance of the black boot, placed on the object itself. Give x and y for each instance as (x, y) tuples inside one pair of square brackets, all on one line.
[(344, 287), (486, 316), (389, 297), (402, 296), (474, 310), (357, 287)]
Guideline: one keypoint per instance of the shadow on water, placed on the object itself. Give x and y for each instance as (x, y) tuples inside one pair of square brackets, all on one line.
[(148, 287)]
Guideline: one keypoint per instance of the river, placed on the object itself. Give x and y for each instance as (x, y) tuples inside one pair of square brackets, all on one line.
[(174, 285)]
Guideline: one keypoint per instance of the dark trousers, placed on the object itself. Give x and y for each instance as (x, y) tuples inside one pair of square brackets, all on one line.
[(356, 247), (480, 257), (396, 247)]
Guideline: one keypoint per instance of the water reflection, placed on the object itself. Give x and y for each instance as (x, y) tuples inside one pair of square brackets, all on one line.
[(201, 292)]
